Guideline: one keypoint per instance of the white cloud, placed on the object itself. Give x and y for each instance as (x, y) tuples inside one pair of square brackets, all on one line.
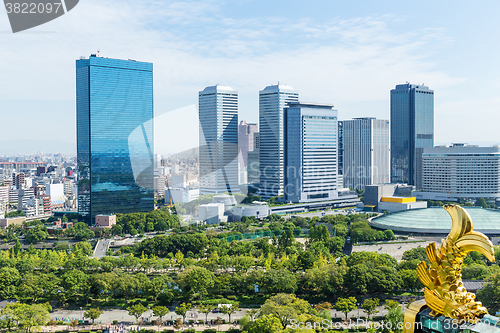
[(348, 62)]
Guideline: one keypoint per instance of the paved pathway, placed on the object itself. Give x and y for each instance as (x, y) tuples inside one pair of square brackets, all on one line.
[(101, 248), (122, 316)]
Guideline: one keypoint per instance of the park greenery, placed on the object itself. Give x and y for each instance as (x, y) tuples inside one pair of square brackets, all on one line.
[(200, 269)]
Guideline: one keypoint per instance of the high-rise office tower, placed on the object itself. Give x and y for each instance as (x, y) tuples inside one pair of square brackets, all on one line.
[(340, 134), (246, 144), (218, 154), (253, 162), (114, 107), (412, 130), (310, 152), (366, 152), (340, 155), (272, 101)]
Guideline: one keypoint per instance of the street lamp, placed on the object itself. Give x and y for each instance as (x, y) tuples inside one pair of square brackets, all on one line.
[(81, 312), (358, 309)]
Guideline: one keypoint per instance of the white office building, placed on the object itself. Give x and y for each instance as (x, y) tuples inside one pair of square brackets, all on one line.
[(310, 152), (460, 171), (367, 153), (181, 194), (218, 154), (272, 101), (212, 213)]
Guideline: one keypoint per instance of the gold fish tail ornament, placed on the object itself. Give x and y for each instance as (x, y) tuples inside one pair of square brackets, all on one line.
[(444, 291), (423, 275)]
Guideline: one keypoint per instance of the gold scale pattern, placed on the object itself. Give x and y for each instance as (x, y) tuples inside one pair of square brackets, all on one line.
[(444, 292)]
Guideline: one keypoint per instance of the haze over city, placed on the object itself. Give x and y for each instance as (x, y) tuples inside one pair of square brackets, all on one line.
[(350, 56)]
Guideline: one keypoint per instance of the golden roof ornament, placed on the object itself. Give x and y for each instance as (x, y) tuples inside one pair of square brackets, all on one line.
[(444, 290)]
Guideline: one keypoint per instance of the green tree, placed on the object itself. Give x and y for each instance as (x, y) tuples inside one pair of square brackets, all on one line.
[(327, 280), (159, 286), (416, 253), (481, 202), (394, 318), (73, 281), (93, 314), (279, 281), (84, 248), (195, 279), (36, 234), (31, 317), (17, 247), (389, 234), (252, 313), (136, 310), (36, 286), (182, 310), (490, 294), (265, 324), (9, 315), (160, 311), (80, 231), (9, 281), (206, 310), (345, 305), (370, 305), (409, 279), (357, 279), (285, 307), (15, 214), (229, 310)]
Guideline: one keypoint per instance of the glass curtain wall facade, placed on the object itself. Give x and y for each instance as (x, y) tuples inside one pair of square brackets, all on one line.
[(218, 154), (114, 105), (272, 101), (366, 152), (310, 152), (412, 130)]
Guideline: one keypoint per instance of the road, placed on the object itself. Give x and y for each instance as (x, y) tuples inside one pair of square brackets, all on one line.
[(122, 316), (101, 248), (319, 213)]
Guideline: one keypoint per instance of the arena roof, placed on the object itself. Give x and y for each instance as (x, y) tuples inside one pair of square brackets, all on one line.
[(436, 220)]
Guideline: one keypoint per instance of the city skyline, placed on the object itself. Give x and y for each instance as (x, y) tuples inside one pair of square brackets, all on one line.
[(366, 48)]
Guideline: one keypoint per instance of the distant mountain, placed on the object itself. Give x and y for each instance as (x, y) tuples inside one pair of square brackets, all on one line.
[(187, 153)]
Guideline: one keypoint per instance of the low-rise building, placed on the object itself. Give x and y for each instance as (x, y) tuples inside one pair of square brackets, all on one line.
[(212, 213), (397, 204), (228, 200), (258, 209), (58, 225), (5, 222), (374, 193), (105, 221)]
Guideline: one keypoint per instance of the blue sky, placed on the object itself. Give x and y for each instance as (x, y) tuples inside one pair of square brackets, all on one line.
[(348, 53)]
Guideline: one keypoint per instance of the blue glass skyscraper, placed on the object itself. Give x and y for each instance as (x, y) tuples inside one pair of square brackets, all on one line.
[(310, 149), (412, 130), (114, 106)]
